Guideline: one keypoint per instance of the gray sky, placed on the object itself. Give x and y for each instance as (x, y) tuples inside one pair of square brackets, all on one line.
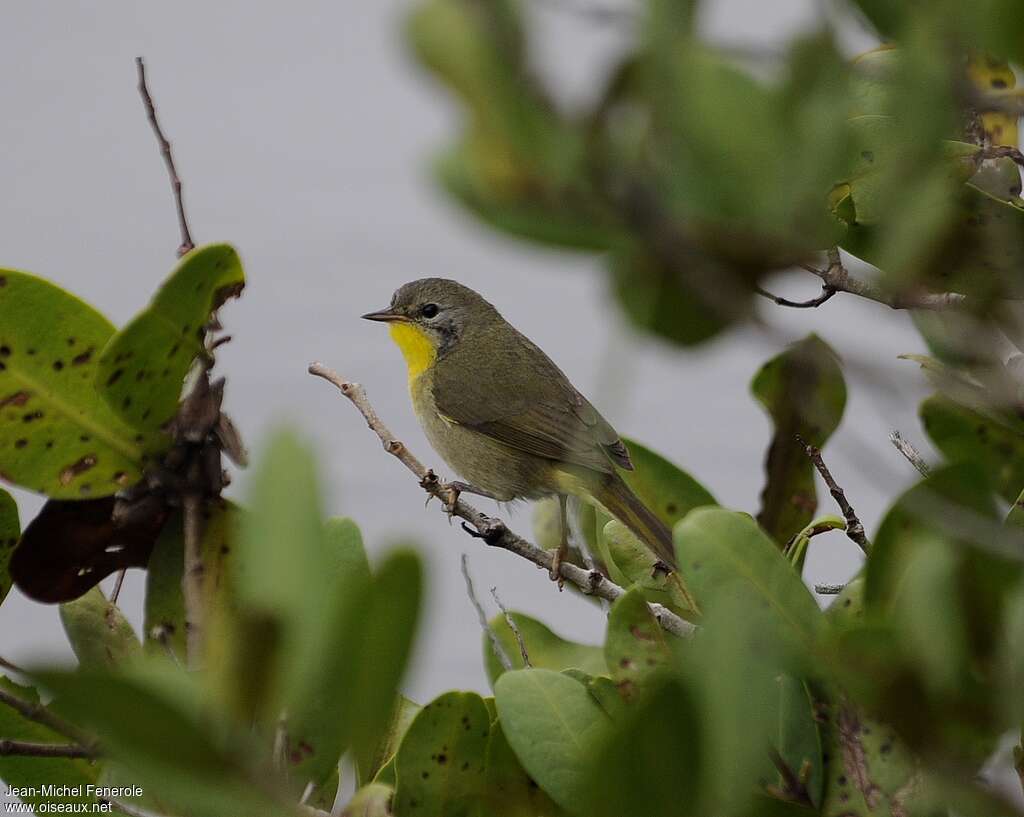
[(302, 132)]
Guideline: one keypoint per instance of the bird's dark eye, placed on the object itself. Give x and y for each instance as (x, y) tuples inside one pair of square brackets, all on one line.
[(429, 310)]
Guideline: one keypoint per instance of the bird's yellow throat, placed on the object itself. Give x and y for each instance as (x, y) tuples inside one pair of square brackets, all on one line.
[(417, 347)]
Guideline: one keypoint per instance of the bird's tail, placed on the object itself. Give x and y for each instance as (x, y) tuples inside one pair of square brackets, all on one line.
[(624, 505)]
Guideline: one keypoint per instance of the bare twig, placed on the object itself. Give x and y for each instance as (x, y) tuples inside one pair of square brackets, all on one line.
[(513, 627), (10, 665), (27, 749), (165, 151), (826, 293), (492, 531), (794, 784), (836, 277), (1001, 152), (35, 711), (829, 589), (854, 528), (492, 636), (911, 453), (118, 583)]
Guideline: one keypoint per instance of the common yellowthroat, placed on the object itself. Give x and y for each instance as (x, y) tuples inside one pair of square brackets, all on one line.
[(503, 415)]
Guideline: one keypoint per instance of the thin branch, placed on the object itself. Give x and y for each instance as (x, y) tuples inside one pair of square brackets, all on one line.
[(829, 589), (493, 531), (35, 711), (1001, 152), (836, 277), (10, 665), (912, 454), (499, 650), (118, 584), (854, 528), (26, 749), (513, 627), (165, 151), (826, 293), (794, 784)]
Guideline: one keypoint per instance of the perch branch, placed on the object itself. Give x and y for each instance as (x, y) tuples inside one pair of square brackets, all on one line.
[(836, 277), (165, 151), (854, 528), (36, 712), (499, 650), (829, 589), (513, 627), (826, 293), (911, 453), (493, 531), (25, 749)]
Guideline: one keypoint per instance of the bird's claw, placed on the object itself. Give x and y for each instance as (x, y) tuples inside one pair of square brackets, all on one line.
[(556, 567)]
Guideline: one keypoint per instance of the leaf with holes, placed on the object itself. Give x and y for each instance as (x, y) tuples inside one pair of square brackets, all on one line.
[(545, 648), (98, 632), (440, 764), (10, 532), (142, 368), (803, 391), (57, 435)]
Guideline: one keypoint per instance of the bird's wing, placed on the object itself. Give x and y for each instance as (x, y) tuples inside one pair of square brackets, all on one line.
[(538, 412)]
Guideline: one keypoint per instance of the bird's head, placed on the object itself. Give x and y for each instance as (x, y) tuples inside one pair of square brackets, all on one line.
[(429, 317)]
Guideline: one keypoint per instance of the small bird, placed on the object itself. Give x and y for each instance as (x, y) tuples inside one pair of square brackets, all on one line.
[(503, 416)]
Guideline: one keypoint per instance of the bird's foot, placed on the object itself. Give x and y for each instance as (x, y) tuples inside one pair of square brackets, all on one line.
[(556, 565)]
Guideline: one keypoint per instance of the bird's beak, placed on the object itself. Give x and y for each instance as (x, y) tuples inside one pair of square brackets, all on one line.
[(386, 315)]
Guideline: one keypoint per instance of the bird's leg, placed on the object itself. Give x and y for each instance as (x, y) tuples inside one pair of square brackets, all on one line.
[(563, 541), (456, 487)]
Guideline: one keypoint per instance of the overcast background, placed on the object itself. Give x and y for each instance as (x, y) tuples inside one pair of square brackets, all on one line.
[(302, 132)]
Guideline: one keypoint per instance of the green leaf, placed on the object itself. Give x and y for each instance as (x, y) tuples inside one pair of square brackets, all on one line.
[(636, 646), (552, 724), (796, 549), (170, 746), (847, 609), (627, 772), (99, 633), (35, 772), (378, 766), (57, 436), (10, 532), (717, 548), (797, 739), (508, 789), (546, 649), (142, 367), (630, 562), (164, 609), (372, 800), (964, 435), (803, 392), (440, 764), (663, 487), (349, 696), (658, 300), (345, 546)]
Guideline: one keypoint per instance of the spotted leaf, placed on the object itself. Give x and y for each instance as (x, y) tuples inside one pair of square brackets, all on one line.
[(142, 368), (57, 436)]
